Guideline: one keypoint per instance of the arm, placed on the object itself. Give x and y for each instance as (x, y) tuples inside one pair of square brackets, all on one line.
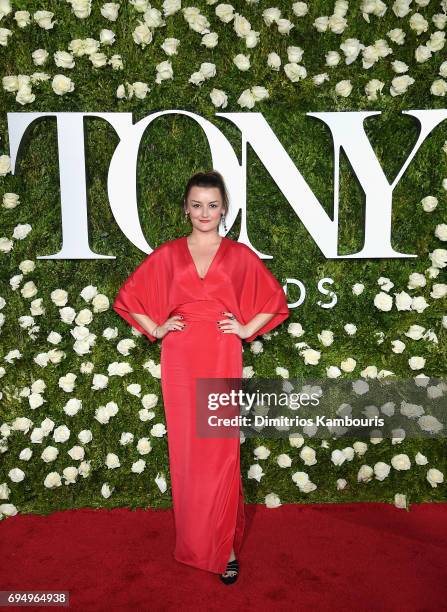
[(145, 322), (256, 323)]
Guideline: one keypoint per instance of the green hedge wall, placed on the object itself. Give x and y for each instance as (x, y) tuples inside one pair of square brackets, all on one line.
[(171, 150)]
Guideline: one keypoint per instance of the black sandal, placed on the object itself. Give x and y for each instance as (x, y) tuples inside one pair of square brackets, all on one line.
[(232, 570)]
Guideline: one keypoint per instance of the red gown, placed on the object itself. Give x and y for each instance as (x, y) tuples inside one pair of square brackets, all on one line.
[(206, 482)]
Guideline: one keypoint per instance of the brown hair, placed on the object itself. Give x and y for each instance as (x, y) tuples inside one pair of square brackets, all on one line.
[(212, 178)]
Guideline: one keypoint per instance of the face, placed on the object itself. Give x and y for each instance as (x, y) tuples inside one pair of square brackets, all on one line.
[(205, 208)]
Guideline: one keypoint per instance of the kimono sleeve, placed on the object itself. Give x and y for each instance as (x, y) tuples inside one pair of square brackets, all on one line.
[(143, 292), (261, 292)]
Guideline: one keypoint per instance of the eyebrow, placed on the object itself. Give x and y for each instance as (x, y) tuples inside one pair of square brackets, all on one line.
[(199, 202)]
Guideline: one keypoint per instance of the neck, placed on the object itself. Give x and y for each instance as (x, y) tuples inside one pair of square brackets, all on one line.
[(204, 238)]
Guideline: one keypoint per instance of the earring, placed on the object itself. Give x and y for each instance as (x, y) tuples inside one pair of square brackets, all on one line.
[(185, 217), (222, 219)]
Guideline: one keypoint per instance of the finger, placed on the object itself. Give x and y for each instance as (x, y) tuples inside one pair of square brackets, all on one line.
[(176, 317)]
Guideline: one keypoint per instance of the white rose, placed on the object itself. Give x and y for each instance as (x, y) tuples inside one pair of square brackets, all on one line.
[(338, 457), (259, 92), (49, 454), (308, 455), (170, 45), (40, 57), (43, 19), (149, 400), (85, 436), (439, 258), (358, 288), (400, 84), (360, 448), (73, 406), (100, 303), (284, 26), (10, 200), (321, 23), (21, 231), (438, 87), (142, 35), (16, 475), (35, 400), (62, 84), (271, 15), (208, 69), (170, 7), (403, 301), (300, 479), (210, 40), (295, 72), (5, 491), (77, 453), (383, 301), (98, 59), (144, 446), (311, 356), (29, 290), (348, 365), (109, 10), (241, 25), (343, 88), (158, 430), (400, 500), (421, 459), (418, 23), (26, 266), (435, 477), (112, 461), (397, 346), (326, 337), (70, 474), (246, 99), (296, 440), (106, 491), (242, 61), (284, 461), (416, 363), (52, 480), (138, 466), (106, 37), (439, 290), (61, 433), (332, 58), (365, 473), (401, 8), (225, 12), (63, 59), (300, 9), (381, 470), (219, 98), (401, 462), (273, 61)]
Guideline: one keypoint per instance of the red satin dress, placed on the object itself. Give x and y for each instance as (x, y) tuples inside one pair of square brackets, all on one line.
[(206, 481)]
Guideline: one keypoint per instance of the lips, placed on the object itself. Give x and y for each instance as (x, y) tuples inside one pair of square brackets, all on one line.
[(204, 221)]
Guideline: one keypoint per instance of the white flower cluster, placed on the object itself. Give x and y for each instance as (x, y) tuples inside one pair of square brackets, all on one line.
[(153, 19), (308, 456)]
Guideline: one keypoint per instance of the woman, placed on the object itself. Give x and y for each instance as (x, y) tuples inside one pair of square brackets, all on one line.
[(202, 294)]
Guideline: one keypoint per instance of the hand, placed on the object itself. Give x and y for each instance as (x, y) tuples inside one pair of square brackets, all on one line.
[(170, 324), (232, 326)]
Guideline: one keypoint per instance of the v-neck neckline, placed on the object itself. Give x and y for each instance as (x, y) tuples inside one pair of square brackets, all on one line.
[(219, 248)]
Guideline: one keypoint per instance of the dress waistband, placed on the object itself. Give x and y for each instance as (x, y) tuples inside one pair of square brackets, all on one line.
[(201, 310)]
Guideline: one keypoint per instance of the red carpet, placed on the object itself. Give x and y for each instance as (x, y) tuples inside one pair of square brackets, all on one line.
[(362, 556)]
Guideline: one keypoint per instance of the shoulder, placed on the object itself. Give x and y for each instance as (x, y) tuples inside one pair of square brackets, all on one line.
[(164, 249), (241, 249)]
